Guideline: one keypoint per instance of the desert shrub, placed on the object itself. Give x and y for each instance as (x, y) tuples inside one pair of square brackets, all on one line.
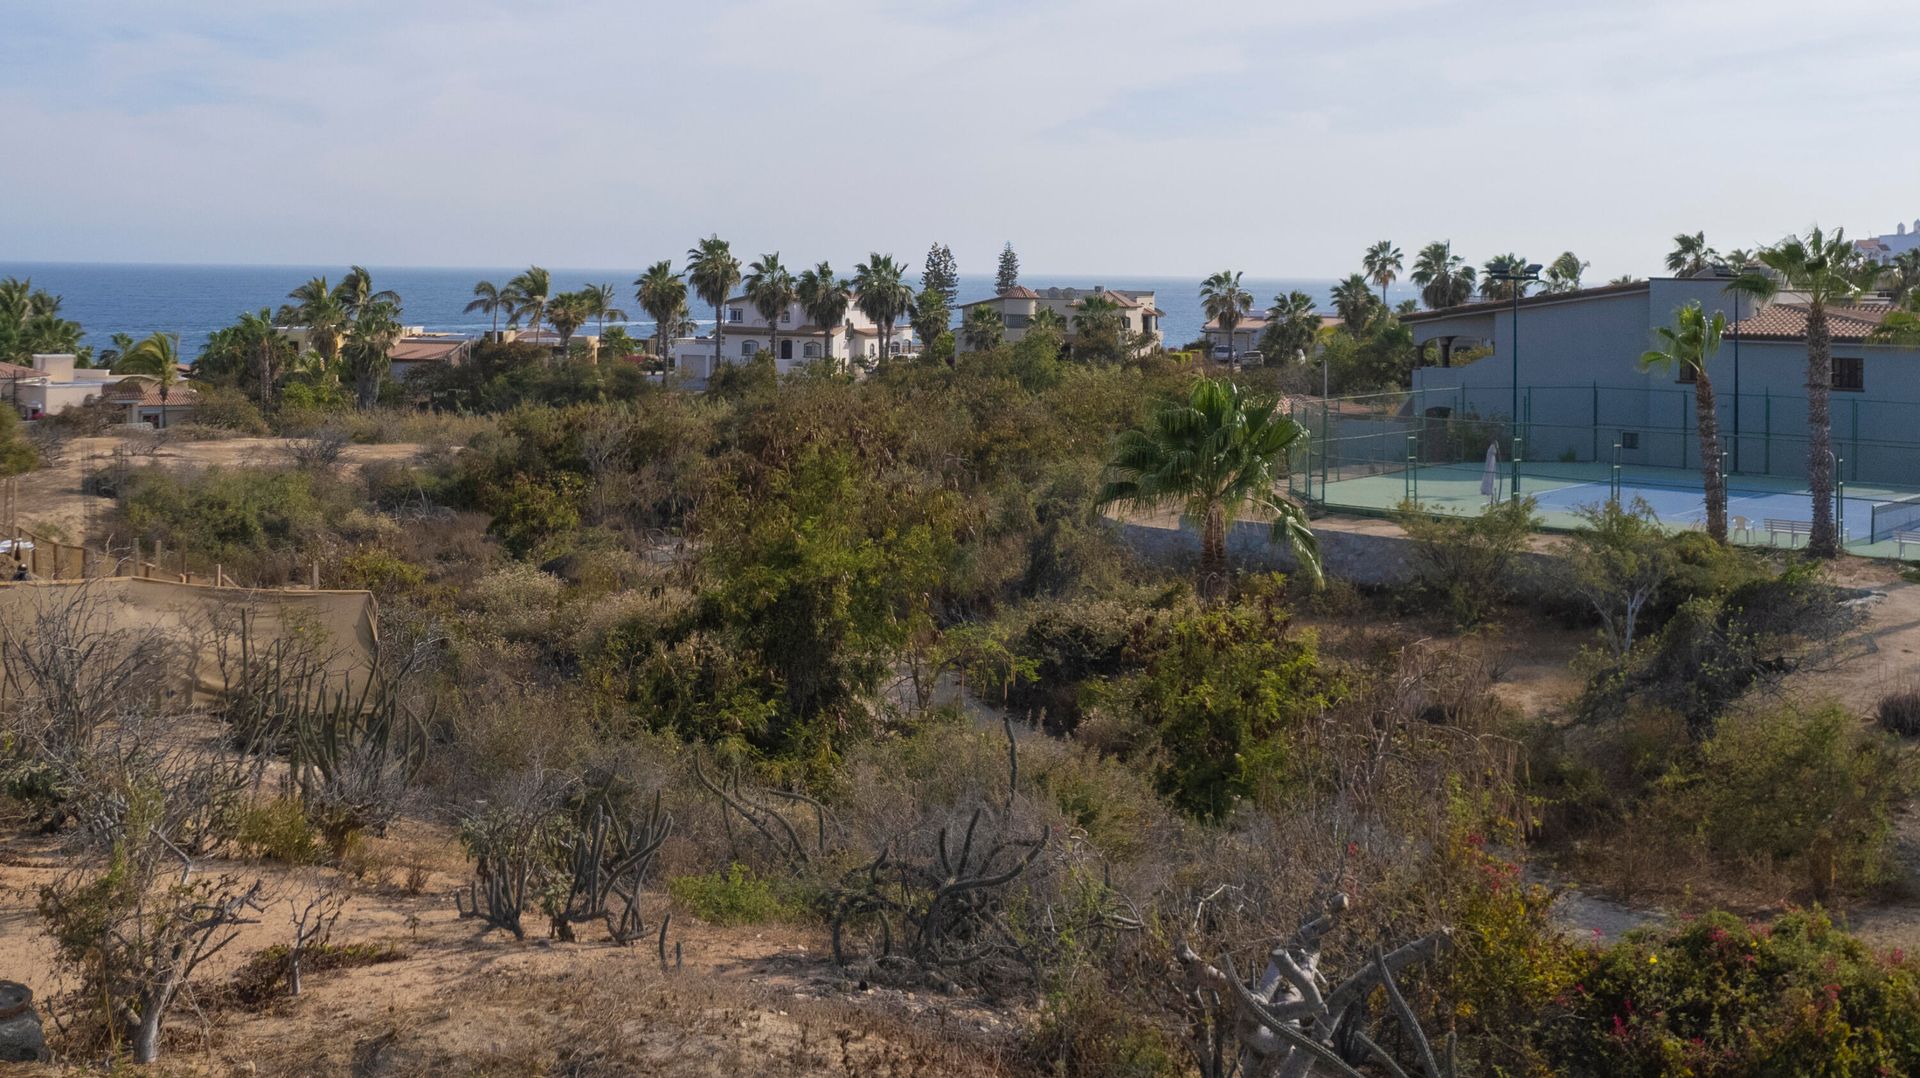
[(528, 512), (1619, 561), (1066, 647), (227, 409), (380, 571), (276, 830), (240, 517), (1726, 996), (1899, 713), (517, 601), (262, 981), (1086, 1028), (1465, 565), (1223, 700), (734, 896), (17, 454)]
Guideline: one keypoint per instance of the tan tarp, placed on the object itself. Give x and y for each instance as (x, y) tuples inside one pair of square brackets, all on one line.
[(336, 627)]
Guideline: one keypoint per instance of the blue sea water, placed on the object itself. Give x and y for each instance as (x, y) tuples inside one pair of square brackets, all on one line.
[(195, 300)]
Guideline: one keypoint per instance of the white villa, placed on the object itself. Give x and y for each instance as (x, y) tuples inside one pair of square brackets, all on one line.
[(744, 333), (1018, 305), (54, 384), (1883, 248)]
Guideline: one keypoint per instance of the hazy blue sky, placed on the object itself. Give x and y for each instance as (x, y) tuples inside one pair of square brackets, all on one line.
[(1100, 136)]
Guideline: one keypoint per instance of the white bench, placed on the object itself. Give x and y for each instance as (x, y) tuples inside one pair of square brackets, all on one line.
[(1903, 537), (1790, 527)]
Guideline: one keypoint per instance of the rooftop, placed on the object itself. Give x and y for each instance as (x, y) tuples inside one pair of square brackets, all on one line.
[(1494, 306), (1788, 322)]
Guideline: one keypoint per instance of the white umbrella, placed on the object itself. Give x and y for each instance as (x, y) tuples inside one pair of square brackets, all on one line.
[(1490, 479)]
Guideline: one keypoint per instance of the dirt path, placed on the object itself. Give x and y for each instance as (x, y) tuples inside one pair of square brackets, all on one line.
[(52, 501)]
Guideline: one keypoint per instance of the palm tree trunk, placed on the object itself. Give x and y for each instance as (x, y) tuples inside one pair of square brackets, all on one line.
[(1213, 552), (1712, 480), (716, 341), (1822, 543)]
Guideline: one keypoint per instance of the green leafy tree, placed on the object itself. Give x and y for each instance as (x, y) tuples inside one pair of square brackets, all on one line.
[(1355, 303), (1821, 269), (1215, 455), (713, 271), (1292, 326), (983, 328), (1691, 255), (17, 455), (1563, 274), (1007, 276), (771, 290), (930, 315), (942, 274), (253, 353), (1444, 278), (368, 351), (489, 299), (30, 324), (1226, 304), (1382, 263), (882, 294), (1687, 345), (662, 294), (1099, 330), (825, 298), (1902, 276)]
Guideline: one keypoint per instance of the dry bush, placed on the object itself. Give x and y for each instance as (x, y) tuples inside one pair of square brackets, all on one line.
[(319, 447), (1899, 713)]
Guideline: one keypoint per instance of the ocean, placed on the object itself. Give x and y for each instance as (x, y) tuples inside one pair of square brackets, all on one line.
[(195, 300)]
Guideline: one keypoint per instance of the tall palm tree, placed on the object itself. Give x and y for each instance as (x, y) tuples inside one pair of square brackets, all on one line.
[(1491, 288), (530, 292), (567, 312), (661, 293), (882, 294), (319, 310), (1225, 302), (355, 292), (157, 355), (489, 297), (1382, 263), (771, 290), (1689, 343), (1354, 302), (983, 328), (1444, 278), (1564, 274), (1691, 255), (1099, 329), (600, 299), (1292, 324), (825, 298), (1215, 455), (266, 349), (369, 348), (713, 271), (1821, 270)]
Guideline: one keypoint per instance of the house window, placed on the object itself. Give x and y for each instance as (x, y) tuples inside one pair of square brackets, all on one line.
[(786, 317), (811, 351), (734, 314), (747, 349), (1629, 439), (1849, 373), (1689, 374), (1017, 321)]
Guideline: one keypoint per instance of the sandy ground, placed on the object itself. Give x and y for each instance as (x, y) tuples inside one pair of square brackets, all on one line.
[(51, 501), (464, 998)]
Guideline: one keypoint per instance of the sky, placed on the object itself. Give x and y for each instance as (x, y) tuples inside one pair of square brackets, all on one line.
[(1123, 137)]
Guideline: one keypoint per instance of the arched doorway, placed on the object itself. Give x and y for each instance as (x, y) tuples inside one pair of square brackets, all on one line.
[(786, 349)]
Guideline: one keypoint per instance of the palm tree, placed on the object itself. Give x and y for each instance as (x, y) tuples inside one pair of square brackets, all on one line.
[(355, 292), (265, 348), (1491, 288), (568, 311), (1046, 318), (1691, 255), (882, 294), (529, 293), (983, 328), (1690, 342), (1292, 324), (1564, 274), (1382, 263), (825, 298), (1820, 269), (661, 293), (122, 342), (1901, 325), (489, 297), (369, 347), (1902, 276), (156, 355), (319, 310), (1354, 303), (600, 300), (1444, 278), (771, 290), (1098, 329), (1215, 455), (1226, 303), (713, 271)]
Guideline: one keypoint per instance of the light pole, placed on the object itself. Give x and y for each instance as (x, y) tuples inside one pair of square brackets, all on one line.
[(1516, 278)]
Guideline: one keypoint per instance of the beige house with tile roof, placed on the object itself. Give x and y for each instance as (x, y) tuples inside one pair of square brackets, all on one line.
[(1018, 305)]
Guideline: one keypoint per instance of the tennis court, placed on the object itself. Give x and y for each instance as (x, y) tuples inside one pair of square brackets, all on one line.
[(1760, 509)]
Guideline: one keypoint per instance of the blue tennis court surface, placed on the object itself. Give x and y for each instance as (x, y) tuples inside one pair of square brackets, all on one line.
[(1690, 506)]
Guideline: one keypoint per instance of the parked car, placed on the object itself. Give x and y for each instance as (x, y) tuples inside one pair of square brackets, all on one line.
[(1251, 356)]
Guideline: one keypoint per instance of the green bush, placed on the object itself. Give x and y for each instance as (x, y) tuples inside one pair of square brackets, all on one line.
[(277, 830), (1465, 565), (17, 455), (225, 408), (734, 897)]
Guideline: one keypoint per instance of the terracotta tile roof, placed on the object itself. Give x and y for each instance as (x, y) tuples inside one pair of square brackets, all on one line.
[(146, 392), (15, 370), (1788, 322)]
